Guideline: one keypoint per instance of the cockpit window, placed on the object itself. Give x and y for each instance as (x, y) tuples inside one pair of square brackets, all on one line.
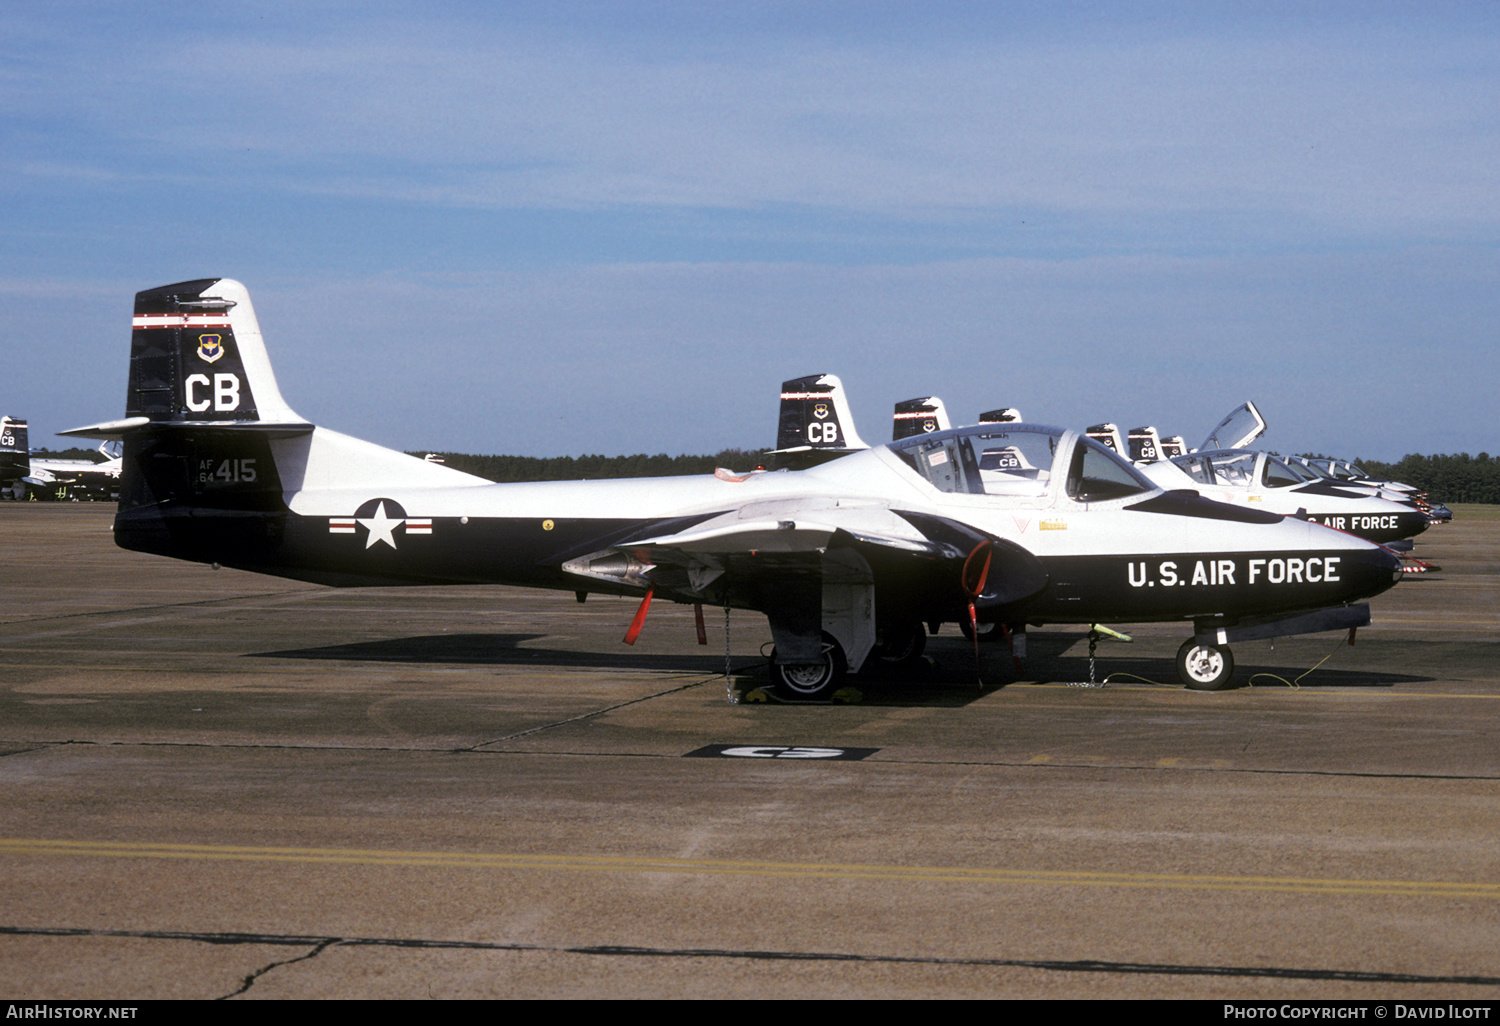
[(1278, 474), (1196, 467), (1233, 469), (1019, 461), (1302, 469), (1097, 475), (950, 466), (986, 460)]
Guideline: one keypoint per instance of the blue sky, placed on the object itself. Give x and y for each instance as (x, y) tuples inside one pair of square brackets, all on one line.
[(564, 228)]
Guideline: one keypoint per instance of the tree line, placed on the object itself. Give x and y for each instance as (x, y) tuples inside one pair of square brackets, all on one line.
[(1456, 477), (554, 468), (1448, 478), (595, 467)]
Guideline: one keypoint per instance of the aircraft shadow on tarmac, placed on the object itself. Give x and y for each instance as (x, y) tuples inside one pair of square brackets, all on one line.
[(1062, 658), (946, 681), (1072, 669), (947, 675), (498, 650)]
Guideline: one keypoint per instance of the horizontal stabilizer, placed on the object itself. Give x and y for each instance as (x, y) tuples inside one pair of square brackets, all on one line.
[(109, 431)]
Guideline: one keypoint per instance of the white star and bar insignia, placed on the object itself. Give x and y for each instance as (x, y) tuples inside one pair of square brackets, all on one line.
[(380, 523)]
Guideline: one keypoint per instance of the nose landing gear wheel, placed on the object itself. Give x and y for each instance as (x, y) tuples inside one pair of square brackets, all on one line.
[(1204, 667)]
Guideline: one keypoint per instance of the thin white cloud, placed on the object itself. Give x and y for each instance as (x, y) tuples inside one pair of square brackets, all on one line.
[(1348, 125), (1298, 210)]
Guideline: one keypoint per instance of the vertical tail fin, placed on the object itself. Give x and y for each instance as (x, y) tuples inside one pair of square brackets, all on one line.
[(199, 377), (919, 416), (1001, 416), (15, 457), (815, 424), (1174, 446), (197, 357), (213, 457), (1145, 445), (1107, 435)]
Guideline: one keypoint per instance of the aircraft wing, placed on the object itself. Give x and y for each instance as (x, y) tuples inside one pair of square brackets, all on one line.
[(920, 554), (809, 535)]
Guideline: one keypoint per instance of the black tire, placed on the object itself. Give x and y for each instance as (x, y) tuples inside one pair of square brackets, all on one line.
[(1204, 667), (989, 633), (811, 682), (901, 644)]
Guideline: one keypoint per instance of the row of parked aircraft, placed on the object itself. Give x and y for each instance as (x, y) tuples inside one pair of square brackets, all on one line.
[(1332, 492), (1225, 462), (999, 525), (23, 475)]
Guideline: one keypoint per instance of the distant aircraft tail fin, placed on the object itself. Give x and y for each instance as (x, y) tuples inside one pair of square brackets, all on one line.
[(1107, 435), (12, 436), (815, 423), (1005, 415), (1173, 446), (919, 416), (15, 457), (1145, 444)]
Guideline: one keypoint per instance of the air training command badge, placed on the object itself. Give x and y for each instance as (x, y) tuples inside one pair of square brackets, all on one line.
[(820, 411), (210, 348)]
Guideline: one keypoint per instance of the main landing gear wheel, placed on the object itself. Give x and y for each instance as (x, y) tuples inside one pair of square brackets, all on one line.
[(988, 632), (1204, 667), (901, 644), (810, 682)]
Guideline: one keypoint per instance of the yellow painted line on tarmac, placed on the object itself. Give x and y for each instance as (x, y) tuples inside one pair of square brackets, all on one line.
[(1393, 621), (327, 667), (1316, 689), (799, 870)]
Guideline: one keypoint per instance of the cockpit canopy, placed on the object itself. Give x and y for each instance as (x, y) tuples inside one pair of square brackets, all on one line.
[(1318, 468), (1240, 468), (1343, 470), (1243, 425), (1021, 461)]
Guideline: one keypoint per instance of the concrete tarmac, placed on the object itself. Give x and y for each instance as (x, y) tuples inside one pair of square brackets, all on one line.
[(215, 784)]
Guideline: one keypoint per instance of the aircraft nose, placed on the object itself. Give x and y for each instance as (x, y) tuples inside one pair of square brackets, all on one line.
[(1370, 571), (1414, 523)]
